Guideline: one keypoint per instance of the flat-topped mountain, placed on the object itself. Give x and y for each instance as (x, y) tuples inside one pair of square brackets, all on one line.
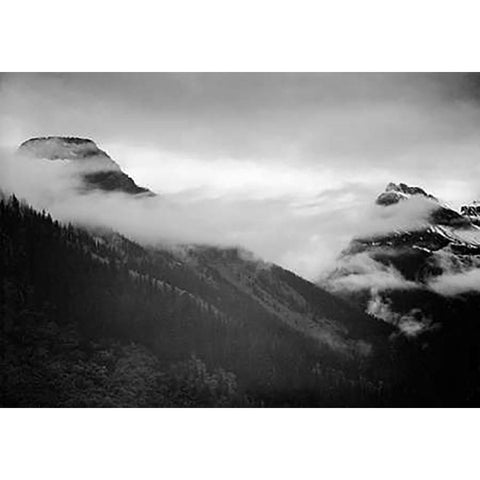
[(97, 169)]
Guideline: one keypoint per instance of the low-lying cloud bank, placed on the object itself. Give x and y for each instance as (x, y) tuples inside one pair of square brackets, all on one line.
[(286, 165), (451, 284), (361, 272), (305, 235)]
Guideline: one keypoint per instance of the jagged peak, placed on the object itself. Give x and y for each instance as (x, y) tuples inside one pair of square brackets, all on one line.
[(441, 214), (407, 189), (396, 192)]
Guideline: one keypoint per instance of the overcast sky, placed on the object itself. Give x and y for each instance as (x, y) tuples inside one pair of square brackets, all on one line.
[(300, 153)]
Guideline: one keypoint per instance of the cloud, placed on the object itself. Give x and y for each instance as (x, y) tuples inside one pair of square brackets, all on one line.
[(186, 217), (285, 165), (411, 324), (305, 234), (361, 272), (451, 284)]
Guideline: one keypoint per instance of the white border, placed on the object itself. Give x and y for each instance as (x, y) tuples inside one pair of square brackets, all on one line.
[(239, 444), (247, 35)]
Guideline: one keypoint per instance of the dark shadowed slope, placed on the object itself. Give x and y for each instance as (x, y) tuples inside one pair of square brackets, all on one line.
[(81, 311)]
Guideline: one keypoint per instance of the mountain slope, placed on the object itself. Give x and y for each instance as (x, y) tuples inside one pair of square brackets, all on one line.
[(92, 318), (283, 340)]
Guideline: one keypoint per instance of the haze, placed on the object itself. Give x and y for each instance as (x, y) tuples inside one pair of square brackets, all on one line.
[(286, 165)]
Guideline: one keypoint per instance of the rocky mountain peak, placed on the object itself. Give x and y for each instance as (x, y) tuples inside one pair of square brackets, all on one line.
[(401, 191), (440, 215), (97, 169)]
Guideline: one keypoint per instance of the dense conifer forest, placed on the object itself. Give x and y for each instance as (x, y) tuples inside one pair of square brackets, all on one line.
[(97, 320), (90, 318)]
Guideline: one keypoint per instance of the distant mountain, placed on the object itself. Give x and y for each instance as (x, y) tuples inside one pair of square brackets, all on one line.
[(446, 237), (423, 281), (96, 168), (395, 193)]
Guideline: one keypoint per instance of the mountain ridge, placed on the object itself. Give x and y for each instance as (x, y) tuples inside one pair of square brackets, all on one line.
[(212, 304), (92, 318)]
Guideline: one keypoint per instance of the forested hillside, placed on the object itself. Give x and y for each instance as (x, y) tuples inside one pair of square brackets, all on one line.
[(94, 319)]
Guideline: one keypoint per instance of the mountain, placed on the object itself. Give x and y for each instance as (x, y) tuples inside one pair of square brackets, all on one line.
[(94, 166), (425, 282), (242, 331), (444, 239), (395, 193), (91, 318)]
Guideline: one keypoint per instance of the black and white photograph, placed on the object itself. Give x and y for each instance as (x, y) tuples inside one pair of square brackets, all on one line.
[(239, 240)]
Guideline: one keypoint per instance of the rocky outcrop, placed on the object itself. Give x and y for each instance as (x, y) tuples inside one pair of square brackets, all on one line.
[(472, 212)]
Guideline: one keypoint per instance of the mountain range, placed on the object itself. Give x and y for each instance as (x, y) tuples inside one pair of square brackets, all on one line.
[(91, 318)]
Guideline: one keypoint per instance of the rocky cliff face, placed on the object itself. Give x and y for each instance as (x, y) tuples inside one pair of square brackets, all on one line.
[(97, 169), (472, 212)]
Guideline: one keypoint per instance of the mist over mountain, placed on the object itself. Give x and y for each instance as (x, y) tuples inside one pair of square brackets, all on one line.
[(244, 156), (196, 325), (96, 168), (204, 325), (248, 260), (442, 243)]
